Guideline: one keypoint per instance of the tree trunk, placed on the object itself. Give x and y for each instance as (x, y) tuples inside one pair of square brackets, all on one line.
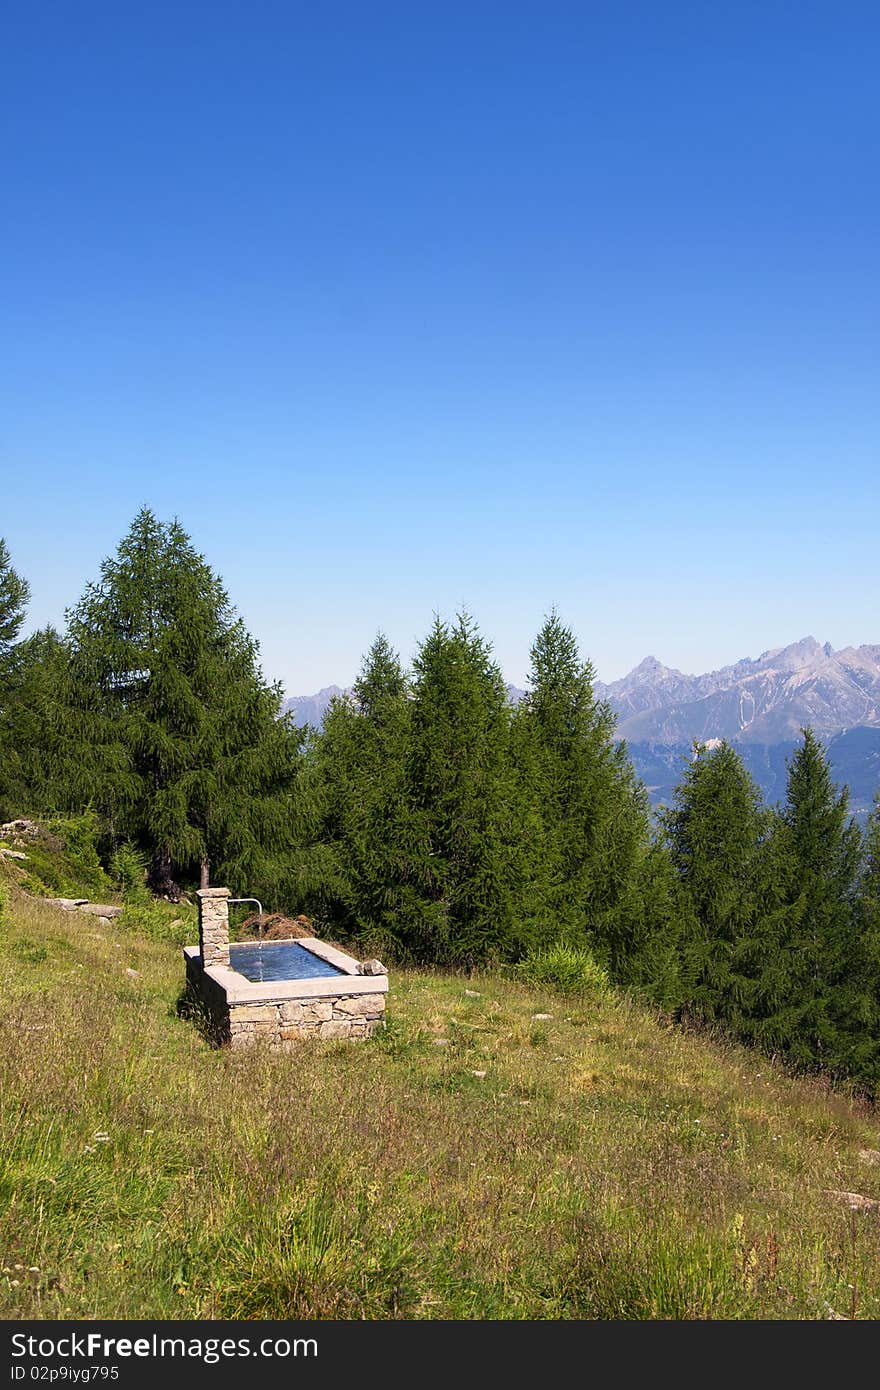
[(205, 873), (159, 879)]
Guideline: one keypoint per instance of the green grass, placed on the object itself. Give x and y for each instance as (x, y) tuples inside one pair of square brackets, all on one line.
[(596, 1164)]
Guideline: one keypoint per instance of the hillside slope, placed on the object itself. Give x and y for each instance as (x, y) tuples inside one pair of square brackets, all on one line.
[(475, 1161)]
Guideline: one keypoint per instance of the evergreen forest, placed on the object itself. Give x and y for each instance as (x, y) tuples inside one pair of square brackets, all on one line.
[(434, 823)]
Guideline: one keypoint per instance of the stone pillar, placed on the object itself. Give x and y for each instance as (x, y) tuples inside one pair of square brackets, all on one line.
[(214, 926)]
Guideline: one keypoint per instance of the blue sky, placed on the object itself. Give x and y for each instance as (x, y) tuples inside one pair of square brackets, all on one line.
[(405, 307)]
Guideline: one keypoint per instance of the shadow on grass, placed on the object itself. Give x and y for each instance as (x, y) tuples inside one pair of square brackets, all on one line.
[(191, 1008)]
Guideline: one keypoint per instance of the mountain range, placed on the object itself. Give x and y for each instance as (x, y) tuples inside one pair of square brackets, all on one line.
[(766, 701), (759, 704)]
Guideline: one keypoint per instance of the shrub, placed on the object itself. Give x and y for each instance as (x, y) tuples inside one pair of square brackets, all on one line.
[(128, 870), (570, 969), (62, 859)]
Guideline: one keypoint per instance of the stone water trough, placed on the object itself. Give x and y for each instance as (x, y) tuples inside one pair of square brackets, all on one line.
[(279, 992)]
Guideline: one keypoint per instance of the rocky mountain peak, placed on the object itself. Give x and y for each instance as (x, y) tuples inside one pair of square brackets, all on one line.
[(793, 657), (649, 667)]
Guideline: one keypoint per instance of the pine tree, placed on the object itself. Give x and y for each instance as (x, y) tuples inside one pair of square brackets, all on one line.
[(168, 726), (29, 772), (465, 865), (593, 813), (381, 684), (867, 926), (869, 883), (353, 786), (826, 1019), (646, 951), (14, 598), (713, 833)]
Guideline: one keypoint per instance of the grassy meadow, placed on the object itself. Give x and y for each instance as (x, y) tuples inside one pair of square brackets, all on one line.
[(473, 1161)]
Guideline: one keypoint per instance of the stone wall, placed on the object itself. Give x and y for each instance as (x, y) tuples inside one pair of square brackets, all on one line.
[(210, 999), (280, 1023)]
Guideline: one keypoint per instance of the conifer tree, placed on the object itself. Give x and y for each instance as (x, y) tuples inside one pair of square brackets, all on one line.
[(826, 1018), (761, 967), (14, 597), (465, 863), (713, 833), (593, 812), (645, 952), (29, 771), (353, 785), (869, 883), (381, 684), (170, 730), (867, 955)]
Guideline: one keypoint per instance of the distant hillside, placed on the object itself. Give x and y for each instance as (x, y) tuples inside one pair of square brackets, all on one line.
[(758, 704)]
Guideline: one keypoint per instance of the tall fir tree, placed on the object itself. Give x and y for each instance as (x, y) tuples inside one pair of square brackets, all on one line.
[(869, 882), (867, 927), (645, 952), (593, 815), (14, 597), (714, 832), (826, 1018), (466, 857), (29, 771), (169, 728), (354, 872)]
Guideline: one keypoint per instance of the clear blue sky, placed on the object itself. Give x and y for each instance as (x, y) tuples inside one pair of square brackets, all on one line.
[(402, 307)]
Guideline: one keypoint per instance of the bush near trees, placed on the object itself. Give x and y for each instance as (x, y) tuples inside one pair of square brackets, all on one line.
[(431, 821)]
